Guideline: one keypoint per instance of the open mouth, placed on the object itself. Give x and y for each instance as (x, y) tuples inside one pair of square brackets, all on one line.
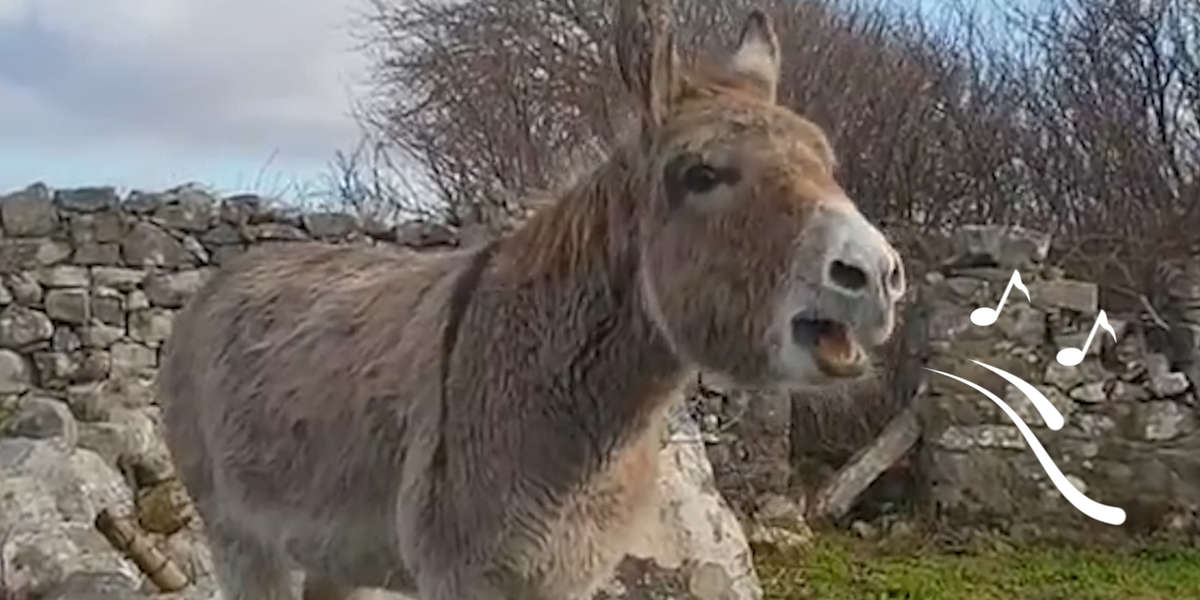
[(837, 352)]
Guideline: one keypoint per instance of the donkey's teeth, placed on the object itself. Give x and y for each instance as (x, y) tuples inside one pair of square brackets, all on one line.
[(837, 352)]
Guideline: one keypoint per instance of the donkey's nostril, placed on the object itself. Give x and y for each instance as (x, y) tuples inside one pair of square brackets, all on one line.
[(847, 276), (895, 281)]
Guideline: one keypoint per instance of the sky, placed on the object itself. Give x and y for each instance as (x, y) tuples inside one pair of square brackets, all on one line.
[(241, 95)]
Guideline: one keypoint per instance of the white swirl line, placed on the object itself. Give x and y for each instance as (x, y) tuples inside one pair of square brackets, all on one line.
[(1054, 419), (1101, 512)]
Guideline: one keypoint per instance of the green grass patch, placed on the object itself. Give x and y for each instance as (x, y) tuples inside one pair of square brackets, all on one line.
[(840, 567)]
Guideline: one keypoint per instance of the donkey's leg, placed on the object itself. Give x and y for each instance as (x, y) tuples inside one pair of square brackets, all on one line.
[(245, 570), (318, 588)]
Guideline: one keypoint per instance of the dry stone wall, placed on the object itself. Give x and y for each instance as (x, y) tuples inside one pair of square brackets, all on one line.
[(1132, 432), (89, 286)]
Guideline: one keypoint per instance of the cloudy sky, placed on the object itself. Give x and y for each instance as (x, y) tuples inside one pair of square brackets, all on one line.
[(152, 93)]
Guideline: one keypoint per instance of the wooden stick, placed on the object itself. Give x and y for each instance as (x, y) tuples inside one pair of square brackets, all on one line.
[(839, 494), (136, 545)]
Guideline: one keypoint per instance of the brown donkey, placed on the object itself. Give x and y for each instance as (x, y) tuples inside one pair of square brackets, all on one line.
[(484, 423)]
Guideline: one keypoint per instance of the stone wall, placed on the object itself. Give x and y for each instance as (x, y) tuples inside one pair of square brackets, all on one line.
[(89, 286), (1131, 437)]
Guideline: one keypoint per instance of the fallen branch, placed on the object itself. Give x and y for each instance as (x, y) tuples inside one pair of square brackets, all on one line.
[(136, 545), (839, 494)]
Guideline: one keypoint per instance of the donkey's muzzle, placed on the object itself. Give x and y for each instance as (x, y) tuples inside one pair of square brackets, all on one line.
[(861, 275)]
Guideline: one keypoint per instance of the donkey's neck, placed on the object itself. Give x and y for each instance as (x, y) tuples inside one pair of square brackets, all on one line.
[(564, 292)]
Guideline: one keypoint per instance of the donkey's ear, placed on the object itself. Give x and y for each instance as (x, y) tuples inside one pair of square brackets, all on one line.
[(757, 53), (646, 55)]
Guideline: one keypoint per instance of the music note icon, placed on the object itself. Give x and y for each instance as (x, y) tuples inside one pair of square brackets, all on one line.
[(986, 315), (1069, 357)]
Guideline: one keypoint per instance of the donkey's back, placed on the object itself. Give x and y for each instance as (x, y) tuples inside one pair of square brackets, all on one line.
[(294, 386)]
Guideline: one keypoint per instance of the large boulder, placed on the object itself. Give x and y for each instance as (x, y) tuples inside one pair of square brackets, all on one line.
[(699, 551), (50, 498)]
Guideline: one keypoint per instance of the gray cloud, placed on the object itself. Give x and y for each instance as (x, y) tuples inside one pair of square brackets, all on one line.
[(238, 76)]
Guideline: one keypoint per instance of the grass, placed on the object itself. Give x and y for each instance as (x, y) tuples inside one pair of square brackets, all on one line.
[(840, 567)]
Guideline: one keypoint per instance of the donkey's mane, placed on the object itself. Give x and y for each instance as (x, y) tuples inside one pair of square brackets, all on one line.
[(586, 229)]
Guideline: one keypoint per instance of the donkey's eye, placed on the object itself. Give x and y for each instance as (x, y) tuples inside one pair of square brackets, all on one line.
[(699, 179)]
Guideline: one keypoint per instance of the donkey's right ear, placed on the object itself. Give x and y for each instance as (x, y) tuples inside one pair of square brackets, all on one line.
[(646, 56)]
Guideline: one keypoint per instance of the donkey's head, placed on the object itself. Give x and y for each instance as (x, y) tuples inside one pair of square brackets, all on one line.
[(754, 261)]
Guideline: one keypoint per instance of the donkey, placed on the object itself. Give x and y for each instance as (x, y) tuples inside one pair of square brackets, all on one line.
[(483, 423)]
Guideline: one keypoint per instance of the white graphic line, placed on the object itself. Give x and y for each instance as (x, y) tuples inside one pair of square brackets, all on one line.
[(1054, 419), (1101, 512)]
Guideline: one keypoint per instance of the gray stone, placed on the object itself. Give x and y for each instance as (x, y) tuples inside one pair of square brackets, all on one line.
[(97, 401), (83, 585), (148, 246), (123, 439), (242, 209), (330, 224), (6, 296), (50, 499), (864, 530), (108, 305), (29, 212), (222, 235), (15, 377), (1166, 384), (223, 254), (18, 255), (98, 334), (151, 327), (67, 305), (1163, 381), (96, 253), (1079, 296), (964, 437), (278, 231), (188, 210), (422, 234), (196, 249), (1092, 426), (1123, 391), (1066, 378), (102, 227), (1163, 420), (57, 370), (1024, 324), (118, 278), (52, 252), (131, 359), (65, 340), (43, 418), (379, 230), (1012, 247), (63, 276), (172, 290), (142, 203), (696, 545), (1090, 393), (88, 199), (20, 326), (25, 289), (136, 300), (965, 288)]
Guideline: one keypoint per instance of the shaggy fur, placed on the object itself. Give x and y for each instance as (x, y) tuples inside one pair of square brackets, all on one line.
[(483, 423)]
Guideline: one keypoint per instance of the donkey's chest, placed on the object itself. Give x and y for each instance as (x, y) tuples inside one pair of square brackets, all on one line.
[(597, 525)]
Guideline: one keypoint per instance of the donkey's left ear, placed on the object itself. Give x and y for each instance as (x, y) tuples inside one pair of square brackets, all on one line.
[(646, 56), (757, 54)]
